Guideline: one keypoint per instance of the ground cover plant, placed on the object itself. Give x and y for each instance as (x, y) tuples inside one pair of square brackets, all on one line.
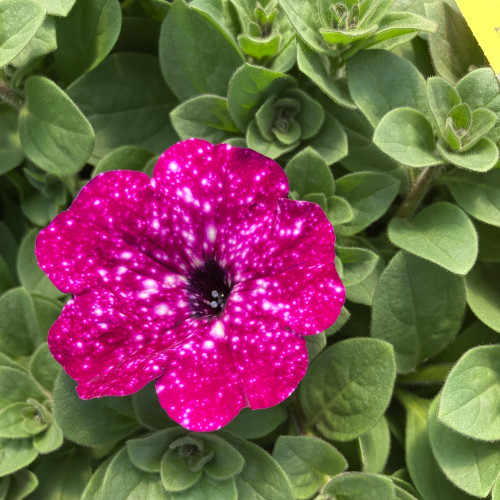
[(379, 117)]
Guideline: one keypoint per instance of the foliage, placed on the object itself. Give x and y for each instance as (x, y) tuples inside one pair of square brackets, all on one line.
[(381, 112)]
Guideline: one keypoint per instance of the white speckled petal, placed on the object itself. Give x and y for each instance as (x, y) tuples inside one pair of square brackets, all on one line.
[(307, 299), (111, 349), (270, 359), (200, 388)]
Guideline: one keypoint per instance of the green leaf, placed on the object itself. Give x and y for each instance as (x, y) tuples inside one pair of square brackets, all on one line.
[(44, 367), (348, 387), (481, 157), (380, 81), (441, 233), (226, 463), (259, 48), (176, 475), (30, 275), (374, 447), (205, 116), (471, 465), (249, 87), (54, 133), (314, 66), (272, 149), (20, 334), (425, 473), (15, 454), (124, 158), (64, 476), (483, 295), (58, 8), (488, 242), (93, 490), (357, 264), (470, 392), (362, 292), (11, 153), (207, 489), (86, 36), (89, 423), (19, 21), (398, 24), (306, 21), (21, 484), (196, 56), (406, 135), (41, 44), (338, 210), (360, 486), (311, 116), (307, 461), (481, 89), (49, 440), (442, 97), (418, 307), (261, 478), (477, 194), (148, 410), (369, 195), (17, 386), (11, 420), (308, 172), (452, 46), (330, 142), (254, 424), (315, 344), (122, 481), (113, 98), (147, 451)]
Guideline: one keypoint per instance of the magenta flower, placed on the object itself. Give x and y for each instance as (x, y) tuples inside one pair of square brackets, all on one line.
[(205, 277)]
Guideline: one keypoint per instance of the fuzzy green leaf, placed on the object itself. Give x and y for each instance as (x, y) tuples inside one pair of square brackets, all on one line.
[(348, 387), (124, 113), (369, 195), (54, 133), (473, 466), (418, 307), (19, 21), (406, 135), (441, 233), (205, 116), (380, 81), (360, 486), (477, 194), (307, 461), (470, 394), (196, 56)]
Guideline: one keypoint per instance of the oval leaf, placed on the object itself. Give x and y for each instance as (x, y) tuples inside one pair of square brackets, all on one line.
[(441, 233), (348, 387)]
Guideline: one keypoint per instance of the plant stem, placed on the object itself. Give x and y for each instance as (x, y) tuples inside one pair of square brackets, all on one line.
[(417, 192), (9, 95)]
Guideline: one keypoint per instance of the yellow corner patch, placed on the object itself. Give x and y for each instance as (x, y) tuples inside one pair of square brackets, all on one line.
[(483, 18)]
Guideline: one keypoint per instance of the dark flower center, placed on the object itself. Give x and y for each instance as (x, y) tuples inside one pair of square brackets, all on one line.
[(208, 289)]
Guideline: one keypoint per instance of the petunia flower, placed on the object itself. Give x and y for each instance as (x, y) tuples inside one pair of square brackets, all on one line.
[(205, 277)]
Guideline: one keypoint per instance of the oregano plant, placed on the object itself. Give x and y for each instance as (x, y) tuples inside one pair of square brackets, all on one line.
[(249, 249)]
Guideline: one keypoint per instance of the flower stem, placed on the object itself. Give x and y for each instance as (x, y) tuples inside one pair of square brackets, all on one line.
[(9, 95), (417, 192)]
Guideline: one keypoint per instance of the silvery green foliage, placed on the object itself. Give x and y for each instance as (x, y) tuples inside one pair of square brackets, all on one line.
[(380, 112)]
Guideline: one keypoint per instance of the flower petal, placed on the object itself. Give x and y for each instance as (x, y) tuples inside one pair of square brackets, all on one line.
[(109, 348), (270, 358), (200, 388), (197, 172), (77, 256), (307, 299)]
